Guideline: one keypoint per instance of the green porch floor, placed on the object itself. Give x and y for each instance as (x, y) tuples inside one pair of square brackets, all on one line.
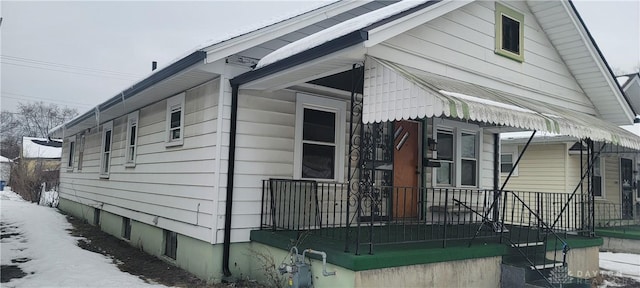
[(416, 250), (623, 232)]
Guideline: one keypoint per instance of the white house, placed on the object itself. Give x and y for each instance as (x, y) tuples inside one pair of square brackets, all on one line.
[(359, 129)]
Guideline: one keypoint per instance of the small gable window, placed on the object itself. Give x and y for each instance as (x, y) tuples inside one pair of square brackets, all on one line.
[(509, 33)]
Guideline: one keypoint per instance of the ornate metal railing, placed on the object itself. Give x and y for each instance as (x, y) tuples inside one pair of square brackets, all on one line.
[(382, 215)]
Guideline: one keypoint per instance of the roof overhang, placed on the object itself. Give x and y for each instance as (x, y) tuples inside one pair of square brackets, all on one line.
[(394, 92), (183, 74), (577, 48)]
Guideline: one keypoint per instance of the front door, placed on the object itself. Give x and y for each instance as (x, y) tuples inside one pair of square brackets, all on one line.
[(626, 181), (405, 169)]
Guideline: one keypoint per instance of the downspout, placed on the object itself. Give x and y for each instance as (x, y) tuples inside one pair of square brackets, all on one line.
[(230, 173)]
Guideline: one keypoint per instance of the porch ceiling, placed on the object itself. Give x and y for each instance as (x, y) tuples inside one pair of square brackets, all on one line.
[(394, 92)]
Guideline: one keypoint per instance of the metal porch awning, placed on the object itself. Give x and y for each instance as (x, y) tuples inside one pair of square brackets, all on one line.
[(394, 92)]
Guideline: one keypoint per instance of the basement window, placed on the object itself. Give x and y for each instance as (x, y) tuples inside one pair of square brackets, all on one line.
[(509, 33), (126, 228), (170, 244)]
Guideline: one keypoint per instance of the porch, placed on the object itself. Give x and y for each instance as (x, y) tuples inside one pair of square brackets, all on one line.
[(379, 229)]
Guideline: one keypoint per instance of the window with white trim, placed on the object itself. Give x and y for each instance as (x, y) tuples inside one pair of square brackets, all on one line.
[(175, 120), (458, 154), (509, 33), (81, 151), (597, 177), (72, 151), (105, 149), (508, 157), (132, 139), (319, 138)]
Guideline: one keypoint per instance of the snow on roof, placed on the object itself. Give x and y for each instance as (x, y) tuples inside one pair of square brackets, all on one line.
[(4, 159), (337, 31), (622, 80), (635, 128), (526, 135), (36, 148)]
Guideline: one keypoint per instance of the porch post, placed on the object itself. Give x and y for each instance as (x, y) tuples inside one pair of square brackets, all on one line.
[(496, 173)]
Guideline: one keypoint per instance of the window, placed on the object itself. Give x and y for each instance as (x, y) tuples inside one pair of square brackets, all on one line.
[(126, 228), (506, 162), (72, 150), (132, 139), (509, 33), (597, 177), (170, 244), (458, 154), (175, 120), (319, 138), (508, 156), (81, 151), (105, 155), (444, 174)]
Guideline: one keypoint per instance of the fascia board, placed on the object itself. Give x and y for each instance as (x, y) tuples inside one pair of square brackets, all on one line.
[(602, 66), (410, 21), (267, 33)]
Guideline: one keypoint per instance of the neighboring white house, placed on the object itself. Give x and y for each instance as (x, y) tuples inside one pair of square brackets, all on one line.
[(5, 169), (357, 114)]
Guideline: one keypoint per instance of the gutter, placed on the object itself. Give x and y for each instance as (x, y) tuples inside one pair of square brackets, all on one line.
[(161, 75), (327, 48)]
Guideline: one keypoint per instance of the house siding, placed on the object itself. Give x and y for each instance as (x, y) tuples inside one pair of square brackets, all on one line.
[(541, 169), (461, 44), (265, 143), (172, 186)]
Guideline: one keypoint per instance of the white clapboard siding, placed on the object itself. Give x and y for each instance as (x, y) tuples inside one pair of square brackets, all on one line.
[(177, 184), (460, 45), (264, 149)]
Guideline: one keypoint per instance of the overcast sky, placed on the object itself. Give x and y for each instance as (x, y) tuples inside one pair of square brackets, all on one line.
[(79, 54)]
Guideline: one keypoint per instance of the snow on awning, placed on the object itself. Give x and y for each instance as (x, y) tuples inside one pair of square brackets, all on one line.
[(395, 92)]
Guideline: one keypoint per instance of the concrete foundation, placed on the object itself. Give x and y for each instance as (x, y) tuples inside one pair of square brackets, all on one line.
[(620, 245)]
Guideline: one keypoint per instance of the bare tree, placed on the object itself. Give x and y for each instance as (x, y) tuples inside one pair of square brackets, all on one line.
[(33, 119)]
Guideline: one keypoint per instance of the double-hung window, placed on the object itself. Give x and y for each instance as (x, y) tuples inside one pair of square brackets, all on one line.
[(81, 151), (319, 138), (175, 120), (105, 152), (508, 156), (132, 139), (597, 177), (72, 150), (457, 153)]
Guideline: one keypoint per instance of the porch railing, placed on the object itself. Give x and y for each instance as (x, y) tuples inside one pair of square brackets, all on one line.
[(382, 215), (613, 215)]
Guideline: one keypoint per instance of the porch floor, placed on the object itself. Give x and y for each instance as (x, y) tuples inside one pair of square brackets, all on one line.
[(623, 232), (419, 246)]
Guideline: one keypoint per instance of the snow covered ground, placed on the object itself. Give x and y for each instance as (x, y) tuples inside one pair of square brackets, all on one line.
[(36, 240), (624, 265)]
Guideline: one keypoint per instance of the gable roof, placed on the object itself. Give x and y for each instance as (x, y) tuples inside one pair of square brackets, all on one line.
[(630, 84), (191, 70), (562, 21)]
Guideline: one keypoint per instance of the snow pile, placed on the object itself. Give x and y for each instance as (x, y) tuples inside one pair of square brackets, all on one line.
[(626, 263), (36, 241), (49, 198)]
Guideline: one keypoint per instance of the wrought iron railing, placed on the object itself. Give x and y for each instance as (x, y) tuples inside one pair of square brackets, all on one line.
[(382, 215), (613, 215)]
